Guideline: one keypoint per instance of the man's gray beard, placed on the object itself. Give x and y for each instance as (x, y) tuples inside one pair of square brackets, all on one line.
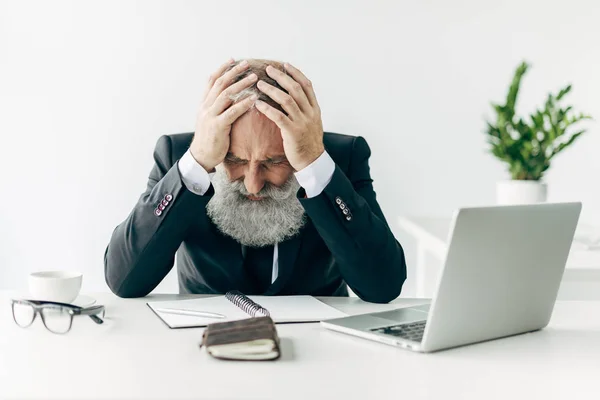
[(275, 218)]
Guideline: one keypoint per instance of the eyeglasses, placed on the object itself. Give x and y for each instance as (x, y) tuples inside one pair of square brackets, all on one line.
[(57, 317)]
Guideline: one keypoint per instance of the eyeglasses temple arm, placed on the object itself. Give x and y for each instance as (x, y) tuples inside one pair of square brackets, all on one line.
[(96, 319), (92, 311)]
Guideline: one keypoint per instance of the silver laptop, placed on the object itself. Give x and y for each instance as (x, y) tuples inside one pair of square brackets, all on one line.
[(500, 278)]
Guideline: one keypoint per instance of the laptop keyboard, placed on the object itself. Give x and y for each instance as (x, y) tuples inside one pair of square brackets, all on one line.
[(413, 331)]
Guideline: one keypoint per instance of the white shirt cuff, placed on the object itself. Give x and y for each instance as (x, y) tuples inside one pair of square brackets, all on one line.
[(314, 177), (195, 178)]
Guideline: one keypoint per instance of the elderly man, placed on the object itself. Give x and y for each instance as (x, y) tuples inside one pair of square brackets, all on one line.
[(258, 199)]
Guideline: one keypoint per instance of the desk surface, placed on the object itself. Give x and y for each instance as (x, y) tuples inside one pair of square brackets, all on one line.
[(134, 355)]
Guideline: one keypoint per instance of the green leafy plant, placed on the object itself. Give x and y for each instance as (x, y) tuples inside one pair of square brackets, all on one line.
[(528, 145)]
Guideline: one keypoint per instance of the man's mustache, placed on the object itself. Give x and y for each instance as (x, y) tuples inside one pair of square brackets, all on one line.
[(269, 190)]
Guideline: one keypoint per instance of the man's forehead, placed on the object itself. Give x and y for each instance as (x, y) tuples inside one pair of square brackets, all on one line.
[(254, 138)]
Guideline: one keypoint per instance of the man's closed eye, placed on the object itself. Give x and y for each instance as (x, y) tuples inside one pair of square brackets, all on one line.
[(235, 161)]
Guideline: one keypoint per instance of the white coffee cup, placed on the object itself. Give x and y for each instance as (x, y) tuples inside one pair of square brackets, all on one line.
[(59, 286)]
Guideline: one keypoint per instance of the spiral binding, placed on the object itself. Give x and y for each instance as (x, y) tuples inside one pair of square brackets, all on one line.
[(247, 305)]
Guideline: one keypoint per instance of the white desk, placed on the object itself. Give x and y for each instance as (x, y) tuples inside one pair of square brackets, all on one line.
[(581, 280), (134, 355)]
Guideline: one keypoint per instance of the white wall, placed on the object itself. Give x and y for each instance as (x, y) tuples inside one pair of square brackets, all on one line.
[(86, 88)]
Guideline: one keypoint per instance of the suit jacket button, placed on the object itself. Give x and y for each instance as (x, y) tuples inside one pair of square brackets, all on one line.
[(168, 197), (345, 211), (157, 212), (165, 202), (338, 200), (348, 218), (161, 207)]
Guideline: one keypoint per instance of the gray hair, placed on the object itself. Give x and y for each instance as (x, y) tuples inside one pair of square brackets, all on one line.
[(275, 218), (258, 67)]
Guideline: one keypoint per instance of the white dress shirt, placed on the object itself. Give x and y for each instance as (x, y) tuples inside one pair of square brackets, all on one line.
[(313, 178)]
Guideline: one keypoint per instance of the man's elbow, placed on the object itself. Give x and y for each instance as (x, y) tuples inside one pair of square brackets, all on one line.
[(385, 293), (127, 293), (390, 287), (123, 290), (117, 284), (387, 289)]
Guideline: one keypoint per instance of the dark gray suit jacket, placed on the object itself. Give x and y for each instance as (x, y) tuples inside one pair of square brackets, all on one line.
[(333, 249)]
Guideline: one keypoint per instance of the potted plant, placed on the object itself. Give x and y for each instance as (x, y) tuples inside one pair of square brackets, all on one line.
[(529, 145)]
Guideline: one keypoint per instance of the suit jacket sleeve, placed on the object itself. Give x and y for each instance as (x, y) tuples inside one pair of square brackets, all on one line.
[(142, 249), (368, 256)]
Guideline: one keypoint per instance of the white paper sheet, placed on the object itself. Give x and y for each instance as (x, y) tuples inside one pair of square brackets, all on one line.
[(281, 309)]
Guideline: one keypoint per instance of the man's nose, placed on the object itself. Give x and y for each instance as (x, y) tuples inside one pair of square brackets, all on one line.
[(253, 180)]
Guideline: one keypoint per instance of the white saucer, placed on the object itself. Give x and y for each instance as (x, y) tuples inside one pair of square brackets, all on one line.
[(83, 300)]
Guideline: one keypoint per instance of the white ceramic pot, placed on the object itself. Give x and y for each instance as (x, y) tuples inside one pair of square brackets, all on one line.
[(521, 192)]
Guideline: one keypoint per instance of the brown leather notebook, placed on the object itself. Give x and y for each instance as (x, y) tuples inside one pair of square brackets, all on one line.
[(246, 339)]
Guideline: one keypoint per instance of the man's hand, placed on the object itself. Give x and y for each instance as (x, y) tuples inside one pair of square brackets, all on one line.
[(213, 125), (301, 129)]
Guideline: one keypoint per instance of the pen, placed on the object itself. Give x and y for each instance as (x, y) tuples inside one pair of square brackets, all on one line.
[(193, 313)]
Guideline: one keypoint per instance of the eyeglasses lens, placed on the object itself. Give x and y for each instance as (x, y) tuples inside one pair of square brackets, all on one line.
[(57, 319), (23, 313)]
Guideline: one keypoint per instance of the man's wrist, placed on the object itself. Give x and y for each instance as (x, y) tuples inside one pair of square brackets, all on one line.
[(309, 159), (209, 167), (194, 176), (315, 176)]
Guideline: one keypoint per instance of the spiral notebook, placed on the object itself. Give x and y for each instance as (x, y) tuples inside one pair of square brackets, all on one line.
[(235, 305)]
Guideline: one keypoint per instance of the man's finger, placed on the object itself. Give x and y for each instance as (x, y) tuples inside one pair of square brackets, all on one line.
[(215, 75), (285, 100), (224, 81), (279, 118), (304, 82), (294, 88), (223, 100), (237, 110)]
